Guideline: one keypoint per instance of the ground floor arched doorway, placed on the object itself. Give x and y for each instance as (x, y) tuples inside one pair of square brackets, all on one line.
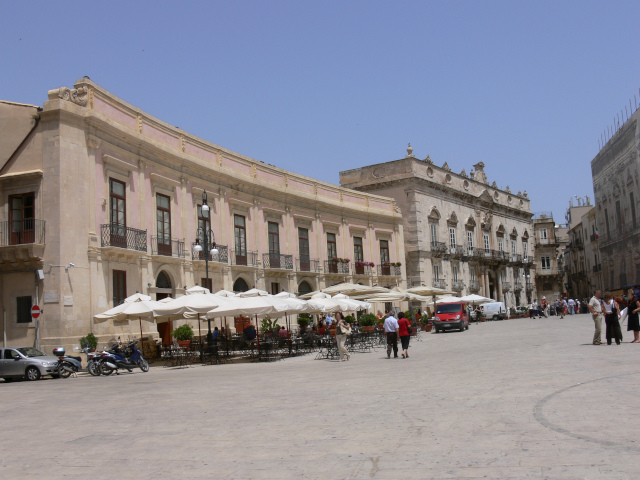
[(164, 288), (240, 285)]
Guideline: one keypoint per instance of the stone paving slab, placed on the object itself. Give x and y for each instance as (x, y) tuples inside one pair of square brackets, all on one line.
[(527, 398)]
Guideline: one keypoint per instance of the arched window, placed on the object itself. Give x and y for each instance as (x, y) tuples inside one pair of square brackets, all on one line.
[(163, 280), (240, 285), (304, 288)]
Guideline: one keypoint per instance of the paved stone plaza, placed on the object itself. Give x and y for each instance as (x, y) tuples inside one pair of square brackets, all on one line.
[(522, 398)]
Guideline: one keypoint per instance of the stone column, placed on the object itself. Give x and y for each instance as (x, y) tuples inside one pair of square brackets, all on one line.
[(498, 287)]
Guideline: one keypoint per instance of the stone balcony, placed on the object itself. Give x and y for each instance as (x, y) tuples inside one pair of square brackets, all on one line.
[(21, 244)]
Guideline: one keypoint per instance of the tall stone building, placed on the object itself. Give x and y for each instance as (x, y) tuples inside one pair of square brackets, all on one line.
[(461, 231), (550, 240), (616, 177), (121, 194)]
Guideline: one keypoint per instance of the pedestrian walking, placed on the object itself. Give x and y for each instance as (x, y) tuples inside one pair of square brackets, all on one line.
[(611, 309), (560, 307), (404, 330), (391, 329), (572, 306), (545, 307), (342, 330), (633, 320), (595, 307)]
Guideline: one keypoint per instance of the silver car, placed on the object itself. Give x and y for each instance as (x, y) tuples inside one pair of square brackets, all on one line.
[(26, 362)]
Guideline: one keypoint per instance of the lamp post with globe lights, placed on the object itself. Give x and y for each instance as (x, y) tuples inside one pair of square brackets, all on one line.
[(206, 242)]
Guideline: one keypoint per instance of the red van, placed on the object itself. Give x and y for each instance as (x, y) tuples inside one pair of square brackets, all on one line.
[(454, 316)]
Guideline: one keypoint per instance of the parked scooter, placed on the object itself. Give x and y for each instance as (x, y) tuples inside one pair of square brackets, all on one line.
[(67, 365), (93, 362), (128, 358)]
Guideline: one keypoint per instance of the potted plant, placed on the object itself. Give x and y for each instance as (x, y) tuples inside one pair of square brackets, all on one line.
[(303, 321), (427, 324), (349, 319), (89, 341), (183, 334), (368, 322)]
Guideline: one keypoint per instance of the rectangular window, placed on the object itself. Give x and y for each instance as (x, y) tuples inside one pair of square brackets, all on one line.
[(240, 239), (500, 244), (487, 245), (119, 287), (618, 217), (606, 219), (436, 272), (303, 249), (23, 309), (452, 238), (470, 242), (434, 233), (632, 204), (545, 263), (207, 283), (384, 251), (525, 251), (455, 273), (117, 203), (274, 239), (22, 218), (513, 247), (472, 273), (358, 251), (163, 224), (332, 250), (544, 237)]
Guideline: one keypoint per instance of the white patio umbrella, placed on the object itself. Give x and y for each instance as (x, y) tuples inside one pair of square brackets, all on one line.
[(350, 305), (225, 293), (349, 289), (446, 300), (254, 292), (136, 297), (166, 300), (196, 289), (136, 309), (476, 299)]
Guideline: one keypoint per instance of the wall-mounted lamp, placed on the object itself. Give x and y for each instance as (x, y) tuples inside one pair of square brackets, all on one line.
[(148, 285), (104, 202)]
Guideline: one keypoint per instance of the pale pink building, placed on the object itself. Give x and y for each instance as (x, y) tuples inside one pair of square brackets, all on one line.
[(120, 192)]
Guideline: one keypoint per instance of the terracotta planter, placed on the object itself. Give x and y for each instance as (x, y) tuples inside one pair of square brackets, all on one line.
[(332, 332), (369, 329), (483, 319), (428, 328), (184, 343)]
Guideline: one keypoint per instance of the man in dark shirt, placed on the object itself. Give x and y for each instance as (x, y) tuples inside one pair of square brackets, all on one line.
[(250, 333)]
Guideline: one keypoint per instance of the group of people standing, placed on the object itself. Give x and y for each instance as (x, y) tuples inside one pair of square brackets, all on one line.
[(395, 328), (612, 310)]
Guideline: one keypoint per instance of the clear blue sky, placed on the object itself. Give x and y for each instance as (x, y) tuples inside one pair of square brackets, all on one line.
[(319, 87)]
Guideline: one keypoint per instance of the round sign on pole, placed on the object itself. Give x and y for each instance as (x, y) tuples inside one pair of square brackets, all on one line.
[(35, 311)]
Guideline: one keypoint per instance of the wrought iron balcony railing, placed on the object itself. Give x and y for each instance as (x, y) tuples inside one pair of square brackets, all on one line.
[(529, 287), (18, 232), (474, 286), (515, 258), (167, 247), (438, 249), (361, 269), (306, 264), (458, 285), (244, 258), (456, 251), (506, 286), (440, 283), (277, 261), (113, 235), (517, 286), (389, 270), (221, 257), (335, 267), (549, 271)]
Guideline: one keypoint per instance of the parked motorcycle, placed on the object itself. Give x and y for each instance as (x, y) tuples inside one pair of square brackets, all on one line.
[(67, 365), (93, 362), (128, 358)]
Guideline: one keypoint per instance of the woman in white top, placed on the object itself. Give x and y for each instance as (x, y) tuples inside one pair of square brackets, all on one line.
[(611, 318)]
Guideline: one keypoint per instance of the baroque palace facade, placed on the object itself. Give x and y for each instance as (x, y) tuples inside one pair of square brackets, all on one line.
[(101, 200), (461, 232)]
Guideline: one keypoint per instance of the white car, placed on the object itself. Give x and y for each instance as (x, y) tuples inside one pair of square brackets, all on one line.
[(26, 362), (494, 311)]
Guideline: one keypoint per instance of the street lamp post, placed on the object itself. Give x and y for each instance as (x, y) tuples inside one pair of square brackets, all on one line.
[(205, 240)]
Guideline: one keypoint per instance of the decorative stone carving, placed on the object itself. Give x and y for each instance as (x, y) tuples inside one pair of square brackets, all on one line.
[(139, 123), (508, 190), (79, 96), (472, 175), (182, 143), (480, 176), (254, 170), (453, 219), (463, 173), (395, 207), (428, 160), (410, 151), (445, 167), (525, 194), (519, 193)]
